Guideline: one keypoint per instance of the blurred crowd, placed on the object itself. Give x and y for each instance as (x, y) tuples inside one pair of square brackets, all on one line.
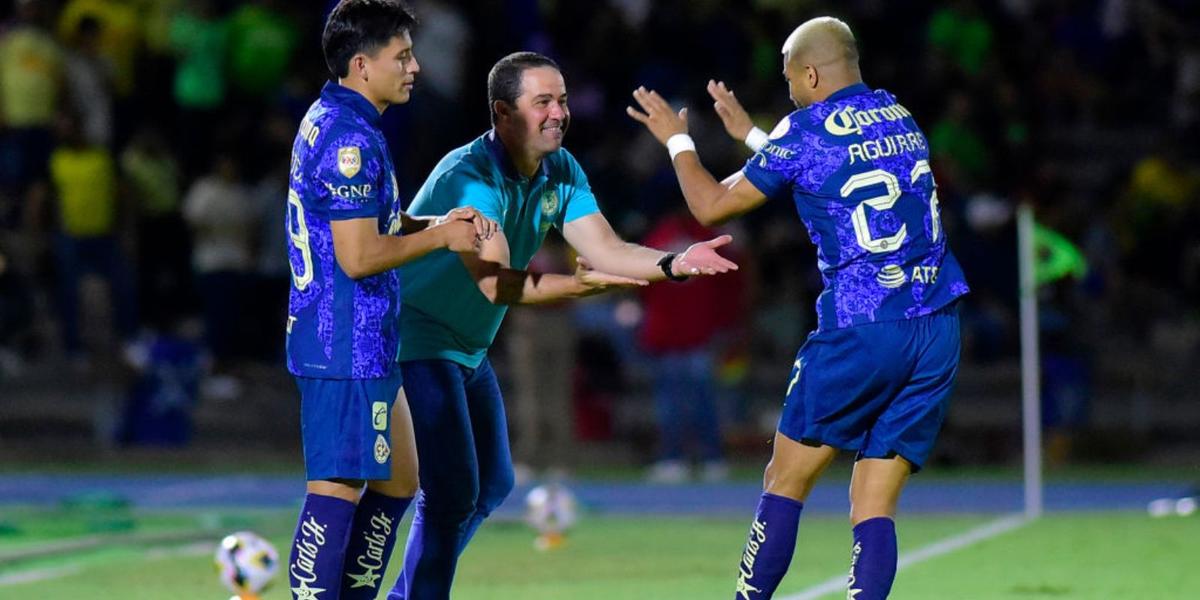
[(144, 145)]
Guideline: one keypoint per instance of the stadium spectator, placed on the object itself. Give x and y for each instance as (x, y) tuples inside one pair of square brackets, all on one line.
[(31, 82), (219, 212), (679, 333), (84, 179)]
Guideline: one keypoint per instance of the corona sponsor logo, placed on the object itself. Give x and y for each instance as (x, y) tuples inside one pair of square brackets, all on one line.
[(851, 120)]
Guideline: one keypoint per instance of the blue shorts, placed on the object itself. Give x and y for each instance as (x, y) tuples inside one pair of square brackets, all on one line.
[(346, 426), (881, 388)]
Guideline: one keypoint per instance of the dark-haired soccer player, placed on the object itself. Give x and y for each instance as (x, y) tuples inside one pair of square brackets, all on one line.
[(343, 219), (520, 175), (876, 375)]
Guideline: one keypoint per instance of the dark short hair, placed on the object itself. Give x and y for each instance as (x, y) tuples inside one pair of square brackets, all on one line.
[(364, 26), (504, 80)]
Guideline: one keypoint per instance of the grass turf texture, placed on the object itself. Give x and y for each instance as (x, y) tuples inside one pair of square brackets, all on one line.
[(1102, 555)]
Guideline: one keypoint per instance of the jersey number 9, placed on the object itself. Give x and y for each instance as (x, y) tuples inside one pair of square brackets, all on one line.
[(299, 238)]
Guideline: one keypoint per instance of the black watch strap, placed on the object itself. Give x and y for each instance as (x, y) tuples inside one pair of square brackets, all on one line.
[(664, 263)]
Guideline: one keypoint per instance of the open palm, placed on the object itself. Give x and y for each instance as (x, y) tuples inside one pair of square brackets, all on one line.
[(702, 259)]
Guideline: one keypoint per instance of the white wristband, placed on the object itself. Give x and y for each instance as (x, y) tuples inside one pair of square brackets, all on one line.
[(680, 142), (756, 139)]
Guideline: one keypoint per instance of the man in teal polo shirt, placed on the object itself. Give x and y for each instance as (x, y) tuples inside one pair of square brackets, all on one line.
[(519, 175)]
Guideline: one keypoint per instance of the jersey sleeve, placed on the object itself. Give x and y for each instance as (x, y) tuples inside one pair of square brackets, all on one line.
[(771, 168), (579, 201), (349, 176)]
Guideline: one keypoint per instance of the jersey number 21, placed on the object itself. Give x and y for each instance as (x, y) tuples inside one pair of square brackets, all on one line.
[(878, 176)]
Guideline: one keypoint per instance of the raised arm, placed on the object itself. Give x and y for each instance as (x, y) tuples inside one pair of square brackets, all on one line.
[(710, 201), (501, 284)]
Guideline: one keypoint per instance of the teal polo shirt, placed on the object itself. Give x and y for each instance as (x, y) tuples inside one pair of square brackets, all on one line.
[(445, 316)]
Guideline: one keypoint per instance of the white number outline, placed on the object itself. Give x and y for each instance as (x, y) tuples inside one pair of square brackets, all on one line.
[(299, 239), (862, 229)]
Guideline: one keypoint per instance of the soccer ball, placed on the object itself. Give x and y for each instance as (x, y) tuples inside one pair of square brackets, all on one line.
[(551, 509), (246, 563)]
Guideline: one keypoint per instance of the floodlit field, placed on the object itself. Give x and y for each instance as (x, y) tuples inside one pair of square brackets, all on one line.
[(103, 555)]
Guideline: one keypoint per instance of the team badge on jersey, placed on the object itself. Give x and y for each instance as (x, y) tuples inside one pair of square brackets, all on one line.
[(382, 450), (349, 161)]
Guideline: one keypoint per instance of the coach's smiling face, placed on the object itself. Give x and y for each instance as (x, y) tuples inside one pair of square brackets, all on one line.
[(540, 118)]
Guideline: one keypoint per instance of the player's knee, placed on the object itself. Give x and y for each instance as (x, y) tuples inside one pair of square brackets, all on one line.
[(493, 492), (780, 480)]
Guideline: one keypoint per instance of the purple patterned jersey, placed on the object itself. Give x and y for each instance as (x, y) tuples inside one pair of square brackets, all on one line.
[(857, 167), (338, 327)]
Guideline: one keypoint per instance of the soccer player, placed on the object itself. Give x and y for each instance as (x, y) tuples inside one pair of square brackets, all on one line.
[(875, 377), (343, 214), (518, 174)]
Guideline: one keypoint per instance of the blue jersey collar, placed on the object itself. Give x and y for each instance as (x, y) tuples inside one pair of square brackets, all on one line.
[(341, 95), (850, 90), (499, 153)]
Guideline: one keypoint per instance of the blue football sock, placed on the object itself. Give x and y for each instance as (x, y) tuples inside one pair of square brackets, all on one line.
[(770, 547), (319, 547), (873, 560), (372, 537)]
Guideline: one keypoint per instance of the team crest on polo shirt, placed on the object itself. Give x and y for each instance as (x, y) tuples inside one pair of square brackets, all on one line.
[(549, 204), (349, 161)]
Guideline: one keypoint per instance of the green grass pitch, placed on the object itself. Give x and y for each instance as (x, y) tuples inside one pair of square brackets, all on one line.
[(1123, 555)]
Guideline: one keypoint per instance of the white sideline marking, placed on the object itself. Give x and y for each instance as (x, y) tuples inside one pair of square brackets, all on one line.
[(934, 550), (38, 575)]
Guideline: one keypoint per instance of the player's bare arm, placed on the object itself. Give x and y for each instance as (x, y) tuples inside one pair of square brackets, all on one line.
[(712, 202), (501, 284), (362, 251), (593, 237)]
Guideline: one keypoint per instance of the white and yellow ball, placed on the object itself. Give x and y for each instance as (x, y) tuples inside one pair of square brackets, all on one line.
[(246, 563)]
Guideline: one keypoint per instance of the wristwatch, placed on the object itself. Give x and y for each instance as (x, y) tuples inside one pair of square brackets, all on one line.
[(664, 263)]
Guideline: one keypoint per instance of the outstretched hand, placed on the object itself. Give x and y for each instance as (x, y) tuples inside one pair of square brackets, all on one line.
[(599, 281), (701, 258), (659, 118), (735, 118)]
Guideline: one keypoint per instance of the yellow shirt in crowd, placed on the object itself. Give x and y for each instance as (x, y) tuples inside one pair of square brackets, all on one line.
[(86, 185)]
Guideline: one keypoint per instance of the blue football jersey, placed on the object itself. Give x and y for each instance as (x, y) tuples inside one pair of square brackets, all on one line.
[(857, 167), (337, 327)]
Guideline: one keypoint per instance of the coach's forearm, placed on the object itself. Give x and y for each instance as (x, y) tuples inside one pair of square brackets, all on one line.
[(630, 260), (512, 286), (700, 189)]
